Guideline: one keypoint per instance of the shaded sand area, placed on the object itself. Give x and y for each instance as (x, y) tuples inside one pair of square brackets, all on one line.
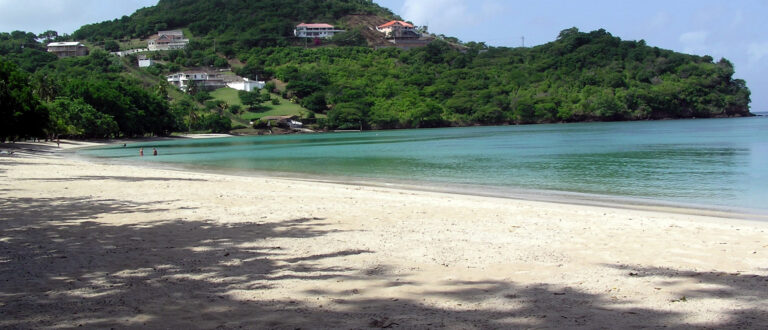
[(95, 245)]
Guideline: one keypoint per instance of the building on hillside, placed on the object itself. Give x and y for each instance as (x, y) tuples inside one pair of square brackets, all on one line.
[(129, 51), (67, 49), (315, 30), (203, 80), (403, 35), (145, 62), (167, 40), (246, 84), (282, 121), (398, 29)]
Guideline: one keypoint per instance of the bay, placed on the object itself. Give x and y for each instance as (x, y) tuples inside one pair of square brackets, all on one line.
[(702, 163)]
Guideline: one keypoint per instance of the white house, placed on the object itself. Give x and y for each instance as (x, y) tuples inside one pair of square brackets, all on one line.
[(129, 51), (203, 80), (315, 30), (246, 84), (167, 40), (145, 62)]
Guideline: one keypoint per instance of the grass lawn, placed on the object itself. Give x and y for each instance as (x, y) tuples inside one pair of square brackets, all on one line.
[(285, 108), (227, 94)]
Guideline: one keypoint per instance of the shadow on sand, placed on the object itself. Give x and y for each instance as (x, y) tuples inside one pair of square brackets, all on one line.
[(60, 268)]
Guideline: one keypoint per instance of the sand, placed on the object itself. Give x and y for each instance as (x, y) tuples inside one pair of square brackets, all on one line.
[(103, 245)]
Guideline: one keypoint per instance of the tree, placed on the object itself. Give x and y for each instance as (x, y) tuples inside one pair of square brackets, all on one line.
[(253, 98), (345, 116), (79, 119), (350, 38), (215, 123), (111, 46), (315, 103), (21, 113), (48, 35)]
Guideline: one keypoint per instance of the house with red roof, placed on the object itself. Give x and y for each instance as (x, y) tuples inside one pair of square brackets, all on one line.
[(398, 29), (315, 30)]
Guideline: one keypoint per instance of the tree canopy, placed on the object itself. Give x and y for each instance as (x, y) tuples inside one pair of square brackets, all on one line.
[(580, 76), (237, 25)]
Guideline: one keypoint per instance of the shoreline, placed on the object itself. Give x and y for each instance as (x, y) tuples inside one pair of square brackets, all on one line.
[(105, 245), (537, 195)]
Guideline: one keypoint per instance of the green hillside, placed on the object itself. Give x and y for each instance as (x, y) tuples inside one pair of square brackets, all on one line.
[(580, 76), (237, 25), (283, 108)]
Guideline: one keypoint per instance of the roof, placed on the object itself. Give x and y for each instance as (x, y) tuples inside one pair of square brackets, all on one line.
[(60, 44), (315, 25), (391, 23), (172, 32), (167, 37), (275, 117)]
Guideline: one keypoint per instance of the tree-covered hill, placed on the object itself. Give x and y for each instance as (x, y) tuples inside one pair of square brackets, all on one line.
[(236, 24), (580, 76)]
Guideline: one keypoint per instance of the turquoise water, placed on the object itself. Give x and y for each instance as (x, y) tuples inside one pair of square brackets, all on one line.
[(715, 163)]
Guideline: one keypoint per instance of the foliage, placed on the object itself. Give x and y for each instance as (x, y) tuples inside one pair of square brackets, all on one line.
[(21, 112), (23, 49), (350, 38), (236, 25), (215, 123), (88, 96), (253, 99), (578, 77), (79, 119), (111, 46), (235, 108)]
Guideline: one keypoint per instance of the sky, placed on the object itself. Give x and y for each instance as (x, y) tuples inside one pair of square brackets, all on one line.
[(735, 30)]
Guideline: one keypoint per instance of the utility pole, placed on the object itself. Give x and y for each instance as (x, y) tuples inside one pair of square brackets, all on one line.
[(523, 41)]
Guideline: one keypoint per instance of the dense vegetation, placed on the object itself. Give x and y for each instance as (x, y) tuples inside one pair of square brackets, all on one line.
[(578, 77), (237, 25), (77, 97)]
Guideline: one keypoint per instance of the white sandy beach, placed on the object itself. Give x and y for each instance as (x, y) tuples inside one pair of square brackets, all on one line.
[(100, 246)]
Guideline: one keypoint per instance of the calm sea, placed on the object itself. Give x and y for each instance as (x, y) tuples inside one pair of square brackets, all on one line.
[(704, 163)]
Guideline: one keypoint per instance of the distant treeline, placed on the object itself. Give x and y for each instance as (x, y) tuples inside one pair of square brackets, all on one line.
[(579, 77)]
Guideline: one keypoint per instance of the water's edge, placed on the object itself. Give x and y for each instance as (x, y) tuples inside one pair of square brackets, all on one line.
[(548, 196)]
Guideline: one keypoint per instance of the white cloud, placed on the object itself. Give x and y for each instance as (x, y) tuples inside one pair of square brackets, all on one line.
[(757, 51)]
